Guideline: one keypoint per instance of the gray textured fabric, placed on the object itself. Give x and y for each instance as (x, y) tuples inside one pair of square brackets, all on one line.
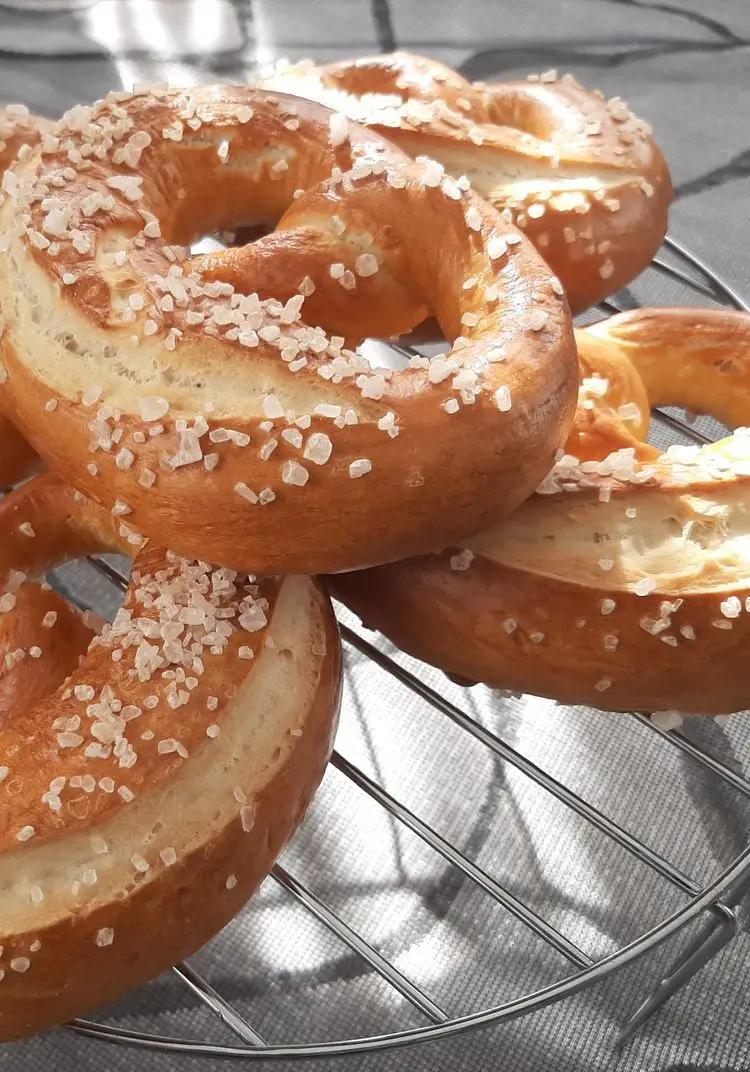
[(683, 65)]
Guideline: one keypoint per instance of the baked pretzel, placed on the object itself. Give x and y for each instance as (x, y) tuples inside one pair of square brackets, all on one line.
[(17, 128), (230, 429), (145, 796), (625, 584), (580, 174)]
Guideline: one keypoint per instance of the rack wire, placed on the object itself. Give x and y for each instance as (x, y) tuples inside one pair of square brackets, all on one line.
[(716, 901)]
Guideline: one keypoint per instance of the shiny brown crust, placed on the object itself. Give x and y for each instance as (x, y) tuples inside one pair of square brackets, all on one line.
[(548, 602), (697, 358), (18, 459), (116, 862), (41, 641), (404, 474), (456, 620), (580, 174), (613, 410)]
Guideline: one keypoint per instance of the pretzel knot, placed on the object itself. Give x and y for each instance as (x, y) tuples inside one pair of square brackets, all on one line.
[(580, 174), (205, 678), (190, 391), (624, 584)]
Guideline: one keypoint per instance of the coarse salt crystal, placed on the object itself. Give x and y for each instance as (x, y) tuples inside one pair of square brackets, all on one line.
[(272, 408), (462, 560), (496, 247), (245, 492), (731, 607), (666, 720), (124, 458), (338, 126), (359, 468), (294, 473), (131, 186), (503, 398), (253, 619), (318, 448), (432, 173), (247, 817), (366, 264), (152, 407)]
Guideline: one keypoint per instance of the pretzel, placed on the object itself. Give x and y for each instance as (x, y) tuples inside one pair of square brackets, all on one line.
[(580, 174), (230, 429), (17, 128), (625, 584), (146, 795)]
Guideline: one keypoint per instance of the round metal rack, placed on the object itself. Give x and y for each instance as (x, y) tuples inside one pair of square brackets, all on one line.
[(716, 901)]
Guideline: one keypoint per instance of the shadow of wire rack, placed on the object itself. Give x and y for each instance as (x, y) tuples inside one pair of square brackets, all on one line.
[(715, 901)]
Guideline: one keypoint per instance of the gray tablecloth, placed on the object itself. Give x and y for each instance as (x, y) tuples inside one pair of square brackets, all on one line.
[(684, 66)]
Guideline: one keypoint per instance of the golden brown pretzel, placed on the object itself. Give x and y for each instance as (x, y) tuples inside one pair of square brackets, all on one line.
[(625, 585), (580, 174), (17, 128), (281, 449), (144, 798)]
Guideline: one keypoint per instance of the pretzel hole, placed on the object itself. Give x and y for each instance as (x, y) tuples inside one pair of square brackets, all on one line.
[(229, 239), (93, 592)]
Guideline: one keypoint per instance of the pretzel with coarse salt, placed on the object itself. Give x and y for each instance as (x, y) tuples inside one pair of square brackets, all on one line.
[(192, 391), (580, 174), (148, 777), (626, 583)]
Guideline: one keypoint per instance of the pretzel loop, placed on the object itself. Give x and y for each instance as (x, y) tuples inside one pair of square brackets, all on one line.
[(225, 423), (579, 174), (115, 862), (625, 584)]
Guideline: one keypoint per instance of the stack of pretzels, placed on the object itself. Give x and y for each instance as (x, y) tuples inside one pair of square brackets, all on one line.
[(495, 509)]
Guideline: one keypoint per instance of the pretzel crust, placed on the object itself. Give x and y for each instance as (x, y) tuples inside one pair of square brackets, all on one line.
[(581, 175), (626, 591), (330, 465), (116, 862)]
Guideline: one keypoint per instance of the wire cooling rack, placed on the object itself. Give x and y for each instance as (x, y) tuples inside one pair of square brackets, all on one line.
[(716, 901)]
